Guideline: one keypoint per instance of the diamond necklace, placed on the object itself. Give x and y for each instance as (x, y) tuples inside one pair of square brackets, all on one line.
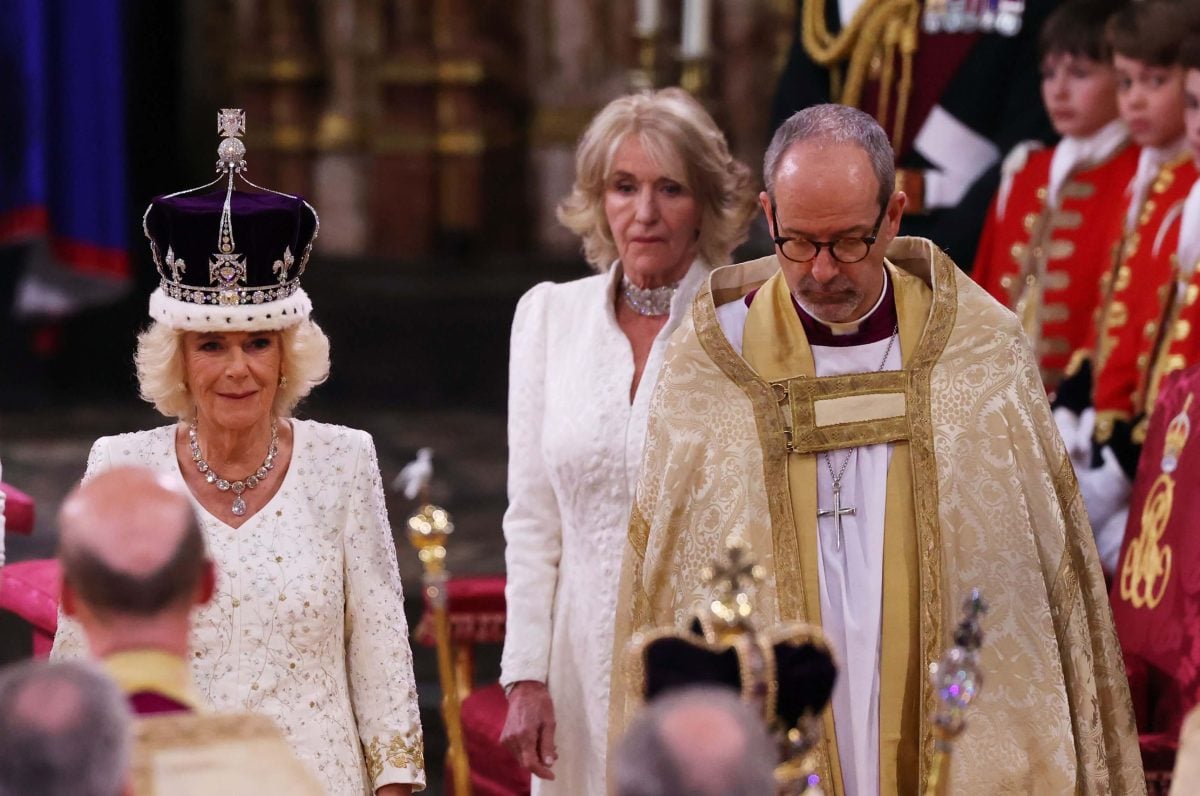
[(237, 487), (648, 300), (838, 511)]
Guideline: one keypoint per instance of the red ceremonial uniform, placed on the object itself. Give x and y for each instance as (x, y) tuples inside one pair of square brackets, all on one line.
[(1140, 286), (1179, 341), (1156, 593), (1046, 261)]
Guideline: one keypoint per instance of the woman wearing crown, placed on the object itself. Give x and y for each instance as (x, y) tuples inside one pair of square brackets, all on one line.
[(307, 624)]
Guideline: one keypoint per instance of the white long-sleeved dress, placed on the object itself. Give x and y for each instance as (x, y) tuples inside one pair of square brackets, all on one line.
[(307, 623), (575, 445)]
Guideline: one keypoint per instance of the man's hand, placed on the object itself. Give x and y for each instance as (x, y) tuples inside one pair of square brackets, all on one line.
[(529, 728), (394, 790)]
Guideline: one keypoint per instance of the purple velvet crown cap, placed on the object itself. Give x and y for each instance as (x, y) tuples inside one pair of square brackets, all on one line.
[(239, 276)]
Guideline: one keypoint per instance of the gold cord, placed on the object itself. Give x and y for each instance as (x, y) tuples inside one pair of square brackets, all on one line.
[(877, 29)]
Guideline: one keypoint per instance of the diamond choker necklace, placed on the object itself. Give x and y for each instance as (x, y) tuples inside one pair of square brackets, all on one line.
[(237, 487), (648, 300)]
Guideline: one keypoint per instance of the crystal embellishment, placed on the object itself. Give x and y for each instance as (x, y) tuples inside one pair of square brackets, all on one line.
[(231, 122), (231, 152), (652, 301), (281, 267), (227, 270)]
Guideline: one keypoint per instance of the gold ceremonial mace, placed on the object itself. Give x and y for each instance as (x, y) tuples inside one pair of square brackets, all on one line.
[(956, 679), (428, 530)]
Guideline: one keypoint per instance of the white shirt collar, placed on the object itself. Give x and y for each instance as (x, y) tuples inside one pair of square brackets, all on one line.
[(1149, 163), (1073, 153), (1189, 233)]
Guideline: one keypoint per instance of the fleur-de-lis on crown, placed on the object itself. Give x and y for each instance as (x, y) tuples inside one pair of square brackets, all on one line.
[(174, 264), (281, 267)]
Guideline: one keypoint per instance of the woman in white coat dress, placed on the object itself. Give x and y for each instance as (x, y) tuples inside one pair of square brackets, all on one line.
[(306, 625), (657, 200)]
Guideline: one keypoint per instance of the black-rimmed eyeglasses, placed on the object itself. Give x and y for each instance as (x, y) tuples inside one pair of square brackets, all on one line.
[(845, 250)]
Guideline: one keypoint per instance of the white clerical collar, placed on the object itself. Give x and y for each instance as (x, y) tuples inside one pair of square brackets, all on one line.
[(1150, 161), (1074, 153), (851, 327)]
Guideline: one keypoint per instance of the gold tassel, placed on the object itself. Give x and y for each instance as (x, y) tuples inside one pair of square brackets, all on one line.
[(877, 29)]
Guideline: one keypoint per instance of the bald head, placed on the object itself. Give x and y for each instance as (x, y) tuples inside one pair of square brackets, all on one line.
[(710, 756), (129, 543), (700, 741), (130, 518)]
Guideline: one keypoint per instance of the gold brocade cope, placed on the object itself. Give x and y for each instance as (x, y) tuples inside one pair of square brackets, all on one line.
[(838, 412), (231, 754), (844, 411), (995, 506)]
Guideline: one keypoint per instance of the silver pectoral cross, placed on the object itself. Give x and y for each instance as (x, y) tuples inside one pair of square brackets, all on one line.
[(837, 512)]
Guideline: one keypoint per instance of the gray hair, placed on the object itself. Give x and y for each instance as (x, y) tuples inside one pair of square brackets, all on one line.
[(650, 764), (834, 124), (64, 731)]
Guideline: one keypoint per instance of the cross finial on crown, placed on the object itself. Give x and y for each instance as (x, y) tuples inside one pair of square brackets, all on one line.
[(231, 122), (231, 152), (738, 567)]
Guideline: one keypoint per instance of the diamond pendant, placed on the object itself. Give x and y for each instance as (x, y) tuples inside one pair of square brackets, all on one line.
[(239, 506)]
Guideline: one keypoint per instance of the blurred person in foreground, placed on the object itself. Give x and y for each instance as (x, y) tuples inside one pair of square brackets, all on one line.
[(873, 425), (306, 624), (658, 201), (134, 568), (697, 741), (64, 731)]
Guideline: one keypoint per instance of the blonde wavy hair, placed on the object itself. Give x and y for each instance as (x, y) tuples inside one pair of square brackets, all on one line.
[(304, 362), (681, 137)]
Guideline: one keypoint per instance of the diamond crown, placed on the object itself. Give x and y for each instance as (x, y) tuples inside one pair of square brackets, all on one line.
[(228, 274)]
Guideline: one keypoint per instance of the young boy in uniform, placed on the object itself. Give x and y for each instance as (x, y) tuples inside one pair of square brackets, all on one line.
[(1110, 375), (1053, 227), (1179, 341)]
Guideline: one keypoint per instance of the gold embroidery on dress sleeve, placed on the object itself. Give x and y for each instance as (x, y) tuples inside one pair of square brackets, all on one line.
[(397, 752)]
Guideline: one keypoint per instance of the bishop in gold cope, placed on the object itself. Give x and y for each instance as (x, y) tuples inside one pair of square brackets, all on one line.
[(857, 370)]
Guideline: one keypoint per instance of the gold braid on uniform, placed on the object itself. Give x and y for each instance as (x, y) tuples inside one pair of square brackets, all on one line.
[(867, 44)]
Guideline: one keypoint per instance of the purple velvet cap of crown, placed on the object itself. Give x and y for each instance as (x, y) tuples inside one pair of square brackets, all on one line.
[(246, 277)]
